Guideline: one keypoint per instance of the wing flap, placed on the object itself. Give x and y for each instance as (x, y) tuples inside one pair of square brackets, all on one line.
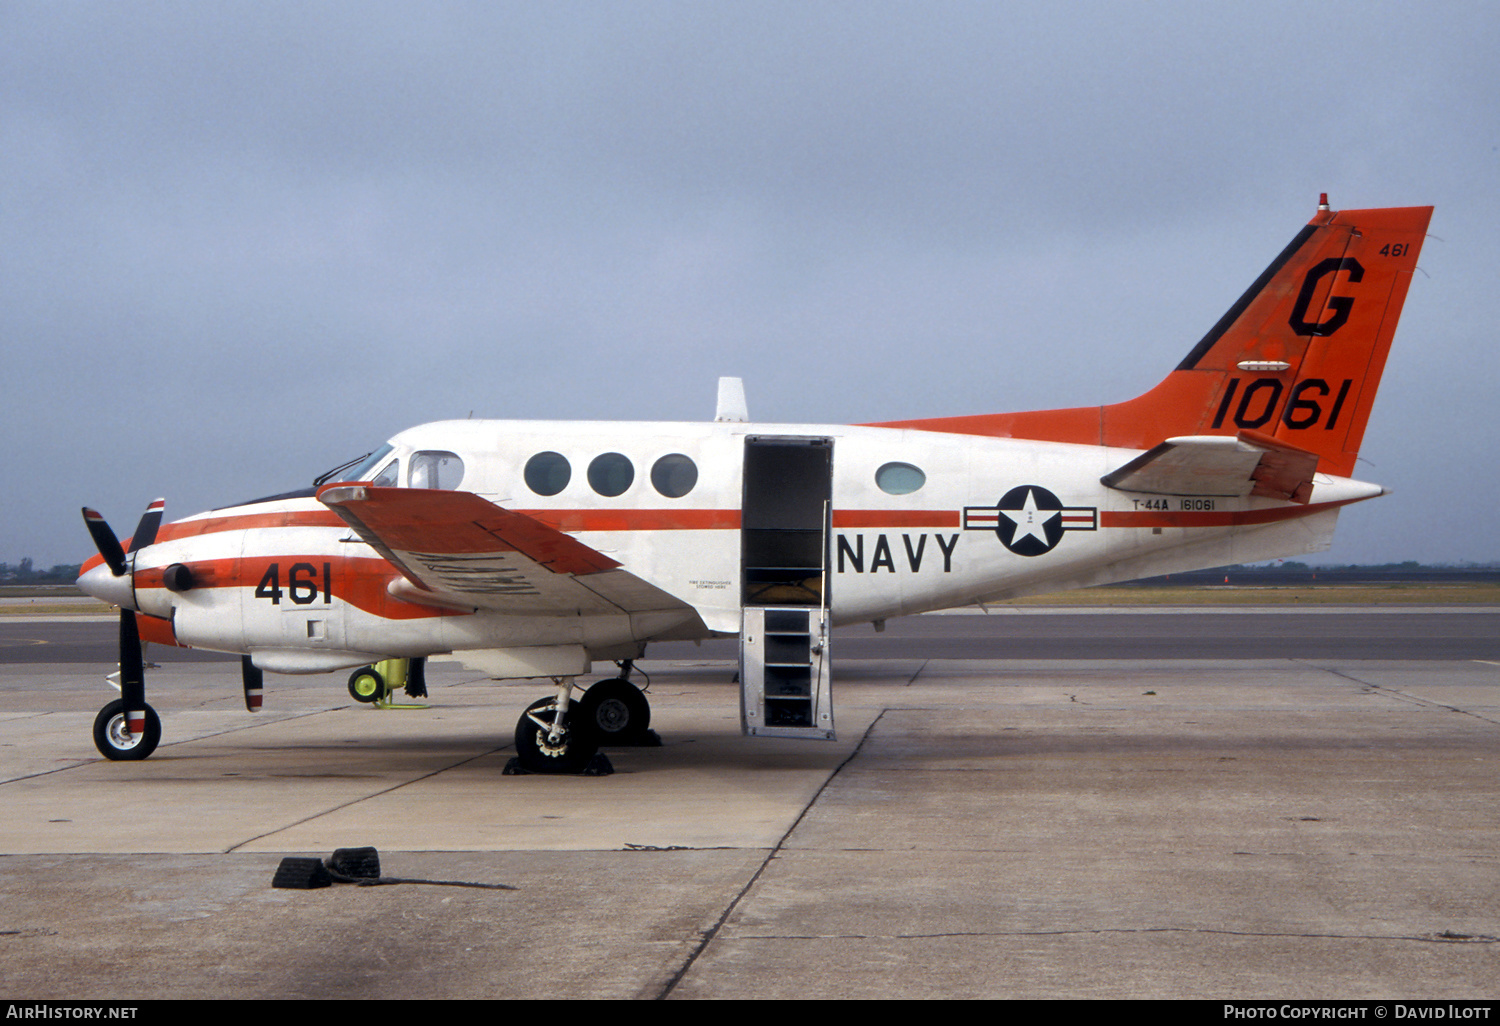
[(457, 550), (1221, 465)]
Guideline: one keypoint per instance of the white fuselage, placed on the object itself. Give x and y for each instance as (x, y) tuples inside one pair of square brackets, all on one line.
[(288, 582)]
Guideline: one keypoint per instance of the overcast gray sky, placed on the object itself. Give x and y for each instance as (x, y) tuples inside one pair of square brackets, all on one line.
[(242, 242)]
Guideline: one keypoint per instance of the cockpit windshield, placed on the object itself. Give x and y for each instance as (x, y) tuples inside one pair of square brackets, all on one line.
[(430, 468), (362, 467)]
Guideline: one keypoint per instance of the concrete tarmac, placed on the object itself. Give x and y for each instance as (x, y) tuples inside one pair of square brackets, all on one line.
[(1284, 828)]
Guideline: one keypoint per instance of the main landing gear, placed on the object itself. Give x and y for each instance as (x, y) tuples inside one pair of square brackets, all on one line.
[(559, 735)]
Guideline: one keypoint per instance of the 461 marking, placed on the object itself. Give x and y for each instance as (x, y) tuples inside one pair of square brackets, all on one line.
[(301, 584)]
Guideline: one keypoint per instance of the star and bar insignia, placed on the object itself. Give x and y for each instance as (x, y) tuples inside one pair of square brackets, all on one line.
[(1029, 520)]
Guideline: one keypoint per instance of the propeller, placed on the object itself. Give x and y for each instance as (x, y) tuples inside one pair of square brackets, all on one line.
[(109, 545), (132, 662), (105, 541)]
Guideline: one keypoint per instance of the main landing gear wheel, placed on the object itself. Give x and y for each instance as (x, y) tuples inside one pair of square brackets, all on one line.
[(616, 711), (366, 685), (115, 741), (570, 753)]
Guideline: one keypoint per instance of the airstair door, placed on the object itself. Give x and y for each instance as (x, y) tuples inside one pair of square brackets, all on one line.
[(785, 689)]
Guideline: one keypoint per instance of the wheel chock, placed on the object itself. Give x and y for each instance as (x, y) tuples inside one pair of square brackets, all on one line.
[(301, 874), (598, 766)]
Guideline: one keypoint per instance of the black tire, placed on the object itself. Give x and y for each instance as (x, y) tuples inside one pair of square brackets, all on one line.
[(571, 753), (367, 685), (615, 711), (118, 744)]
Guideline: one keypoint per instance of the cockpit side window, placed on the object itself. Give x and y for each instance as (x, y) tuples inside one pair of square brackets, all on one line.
[(436, 469)]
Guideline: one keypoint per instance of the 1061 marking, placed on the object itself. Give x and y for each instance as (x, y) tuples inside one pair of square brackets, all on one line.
[(1260, 402)]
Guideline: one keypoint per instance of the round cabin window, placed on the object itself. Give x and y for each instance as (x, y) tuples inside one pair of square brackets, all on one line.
[(610, 474), (548, 473), (899, 478), (674, 476)]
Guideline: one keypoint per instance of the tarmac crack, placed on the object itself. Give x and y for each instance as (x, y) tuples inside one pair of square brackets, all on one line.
[(364, 798), (713, 931), (1381, 689), (1445, 937)]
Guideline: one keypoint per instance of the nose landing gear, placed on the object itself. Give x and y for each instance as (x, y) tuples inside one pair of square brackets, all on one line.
[(116, 740)]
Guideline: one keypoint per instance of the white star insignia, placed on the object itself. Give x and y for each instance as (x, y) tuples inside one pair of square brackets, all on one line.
[(1030, 522)]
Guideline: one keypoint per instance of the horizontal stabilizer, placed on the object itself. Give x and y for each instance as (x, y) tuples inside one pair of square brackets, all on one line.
[(1221, 465)]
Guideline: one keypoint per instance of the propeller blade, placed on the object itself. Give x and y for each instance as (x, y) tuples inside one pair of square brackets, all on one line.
[(145, 531), (132, 673), (106, 542)]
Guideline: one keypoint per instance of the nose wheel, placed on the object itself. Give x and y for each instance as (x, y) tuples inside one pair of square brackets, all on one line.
[(116, 741)]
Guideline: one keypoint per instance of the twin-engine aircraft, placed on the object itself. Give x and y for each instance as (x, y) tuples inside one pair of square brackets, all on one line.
[(536, 549)]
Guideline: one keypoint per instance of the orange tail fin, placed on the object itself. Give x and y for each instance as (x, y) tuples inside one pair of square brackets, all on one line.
[(1298, 358)]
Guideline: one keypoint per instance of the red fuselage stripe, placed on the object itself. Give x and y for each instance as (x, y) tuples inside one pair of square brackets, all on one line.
[(247, 522), (577, 520)]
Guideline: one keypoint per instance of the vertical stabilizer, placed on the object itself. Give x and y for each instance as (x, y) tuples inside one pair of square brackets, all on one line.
[(1297, 358)]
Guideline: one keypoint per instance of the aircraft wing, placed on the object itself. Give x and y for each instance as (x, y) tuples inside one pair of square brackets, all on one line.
[(1246, 464), (459, 551)]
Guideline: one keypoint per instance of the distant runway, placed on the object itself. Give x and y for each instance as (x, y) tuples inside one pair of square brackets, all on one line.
[(1271, 632), (1267, 632)]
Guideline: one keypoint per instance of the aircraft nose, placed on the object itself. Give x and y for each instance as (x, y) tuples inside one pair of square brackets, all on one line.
[(98, 582)]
